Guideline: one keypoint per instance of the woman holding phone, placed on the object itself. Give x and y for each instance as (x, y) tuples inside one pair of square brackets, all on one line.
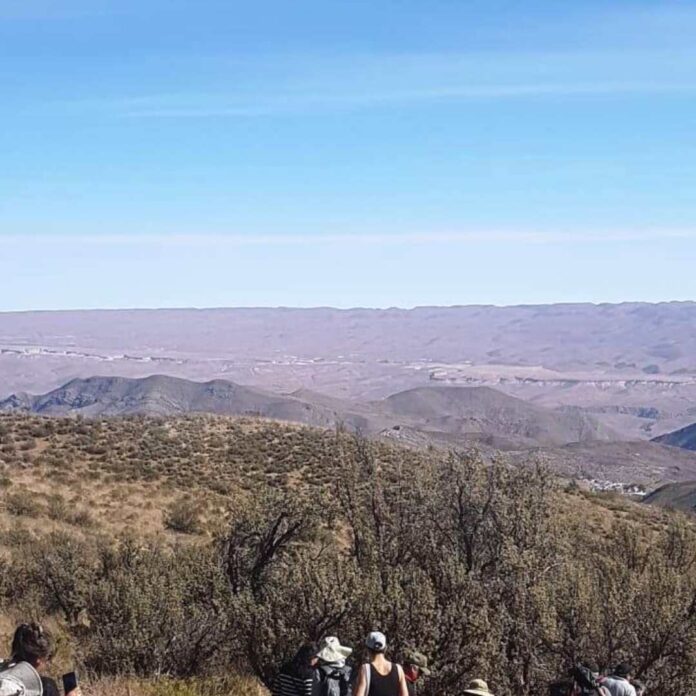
[(34, 645)]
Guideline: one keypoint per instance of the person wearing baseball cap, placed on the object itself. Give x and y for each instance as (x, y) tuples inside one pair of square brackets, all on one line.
[(619, 683), (415, 666), (380, 677)]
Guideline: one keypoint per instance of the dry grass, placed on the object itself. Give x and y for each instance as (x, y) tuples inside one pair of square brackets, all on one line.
[(233, 686), (127, 473), (111, 475)]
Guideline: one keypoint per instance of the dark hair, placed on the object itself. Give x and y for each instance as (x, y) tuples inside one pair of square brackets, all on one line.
[(623, 670), (31, 644), (305, 654), (300, 665)]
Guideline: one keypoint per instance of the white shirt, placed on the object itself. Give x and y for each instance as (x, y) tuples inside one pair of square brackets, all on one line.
[(618, 686)]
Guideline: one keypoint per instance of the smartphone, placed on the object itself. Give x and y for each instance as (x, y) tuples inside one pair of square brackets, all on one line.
[(69, 682)]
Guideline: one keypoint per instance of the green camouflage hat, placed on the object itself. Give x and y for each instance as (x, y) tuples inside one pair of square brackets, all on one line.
[(418, 660)]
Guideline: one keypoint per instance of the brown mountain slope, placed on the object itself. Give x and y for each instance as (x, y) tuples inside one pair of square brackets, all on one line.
[(646, 463), (481, 411), (163, 395), (450, 414), (679, 496), (684, 437)]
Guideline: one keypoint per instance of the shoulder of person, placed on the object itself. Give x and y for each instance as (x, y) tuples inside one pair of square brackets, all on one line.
[(50, 688)]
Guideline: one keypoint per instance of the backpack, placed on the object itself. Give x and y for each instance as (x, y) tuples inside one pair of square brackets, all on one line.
[(584, 678), (19, 679), (561, 688), (335, 681)]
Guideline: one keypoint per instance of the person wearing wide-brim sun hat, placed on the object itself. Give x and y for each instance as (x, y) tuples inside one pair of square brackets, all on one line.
[(478, 687), (332, 676)]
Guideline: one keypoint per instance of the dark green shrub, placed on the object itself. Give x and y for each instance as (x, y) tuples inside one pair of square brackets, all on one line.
[(22, 502), (183, 516)]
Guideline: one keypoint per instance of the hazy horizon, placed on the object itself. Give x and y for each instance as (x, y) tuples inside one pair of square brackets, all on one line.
[(341, 309)]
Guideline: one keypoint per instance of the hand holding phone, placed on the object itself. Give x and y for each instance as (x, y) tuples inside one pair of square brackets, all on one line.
[(69, 683)]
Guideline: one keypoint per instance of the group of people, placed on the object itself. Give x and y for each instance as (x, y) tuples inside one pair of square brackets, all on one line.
[(316, 670), (326, 670), (31, 651), (586, 680)]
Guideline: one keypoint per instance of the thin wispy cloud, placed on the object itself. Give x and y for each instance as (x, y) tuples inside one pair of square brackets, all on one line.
[(399, 239), (294, 84), (294, 103)]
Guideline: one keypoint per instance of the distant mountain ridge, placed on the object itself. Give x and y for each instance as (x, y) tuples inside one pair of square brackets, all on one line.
[(448, 412), (635, 461), (678, 496), (486, 411), (163, 395), (684, 438)]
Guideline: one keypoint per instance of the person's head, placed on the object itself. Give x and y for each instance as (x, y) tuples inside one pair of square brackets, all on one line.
[(478, 687), (623, 671), (416, 664), (376, 643), (32, 644), (331, 652), (306, 656), (592, 666)]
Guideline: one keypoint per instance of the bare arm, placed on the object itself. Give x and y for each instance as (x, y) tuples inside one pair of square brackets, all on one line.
[(360, 686), (403, 688)]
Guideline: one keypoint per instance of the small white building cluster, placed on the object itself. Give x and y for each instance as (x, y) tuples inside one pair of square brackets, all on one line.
[(632, 489)]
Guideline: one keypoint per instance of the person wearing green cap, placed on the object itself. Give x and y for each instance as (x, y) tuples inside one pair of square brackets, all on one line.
[(415, 666)]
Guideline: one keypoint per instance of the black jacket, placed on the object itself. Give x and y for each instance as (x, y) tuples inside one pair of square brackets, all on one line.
[(50, 688)]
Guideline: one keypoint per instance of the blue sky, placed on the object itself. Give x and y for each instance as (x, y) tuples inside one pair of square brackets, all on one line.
[(317, 152)]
